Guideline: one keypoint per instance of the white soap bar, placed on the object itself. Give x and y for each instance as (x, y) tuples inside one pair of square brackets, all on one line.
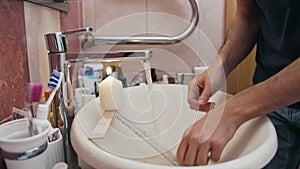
[(111, 93)]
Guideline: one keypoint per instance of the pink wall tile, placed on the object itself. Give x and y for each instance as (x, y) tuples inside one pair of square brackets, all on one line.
[(168, 17), (109, 15), (212, 20), (13, 55), (99, 13), (88, 13)]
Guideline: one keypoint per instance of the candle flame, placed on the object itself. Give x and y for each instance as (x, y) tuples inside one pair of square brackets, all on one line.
[(108, 70)]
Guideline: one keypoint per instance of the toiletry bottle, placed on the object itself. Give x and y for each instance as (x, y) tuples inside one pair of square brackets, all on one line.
[(41, 122), (153, 75), (88, 79), (165, 79)]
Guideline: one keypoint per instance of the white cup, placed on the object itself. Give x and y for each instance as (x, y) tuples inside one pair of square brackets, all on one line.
[(19, 149)]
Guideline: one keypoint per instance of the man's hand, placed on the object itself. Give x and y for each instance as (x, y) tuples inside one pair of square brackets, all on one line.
[(195, 101), (202, 87), (207, 138)]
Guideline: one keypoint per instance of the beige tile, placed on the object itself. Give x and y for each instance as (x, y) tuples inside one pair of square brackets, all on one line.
[(212, 20), (88, 13), (168, 17), (116, 18), (39, 21)]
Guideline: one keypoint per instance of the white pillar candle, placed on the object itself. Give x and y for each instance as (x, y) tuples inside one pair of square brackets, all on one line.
[(111, 93)]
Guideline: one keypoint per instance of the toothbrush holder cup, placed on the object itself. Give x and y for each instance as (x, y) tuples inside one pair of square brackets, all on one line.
[(19, 149)]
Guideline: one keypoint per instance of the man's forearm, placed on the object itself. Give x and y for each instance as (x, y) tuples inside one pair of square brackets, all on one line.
[(241, 36), (280, 90)]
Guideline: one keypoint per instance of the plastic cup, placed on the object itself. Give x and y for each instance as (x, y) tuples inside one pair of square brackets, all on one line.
[(19, 149)]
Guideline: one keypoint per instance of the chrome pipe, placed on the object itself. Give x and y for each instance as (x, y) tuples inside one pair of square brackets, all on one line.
[(155, 40)]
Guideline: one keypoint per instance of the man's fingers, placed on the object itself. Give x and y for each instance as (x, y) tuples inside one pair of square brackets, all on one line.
[(193, 94), (218, 147), (194, 104), (202, 156), (205, 93), (206, 107), (191, 155), (216, 151), (181, 151)]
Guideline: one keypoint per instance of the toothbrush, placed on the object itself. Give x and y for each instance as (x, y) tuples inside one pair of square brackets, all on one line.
[(54, 84), (33, 94), (68, 105)]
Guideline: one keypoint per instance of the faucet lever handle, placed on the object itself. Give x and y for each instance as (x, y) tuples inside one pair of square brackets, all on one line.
[(56, 42), (77, 31)]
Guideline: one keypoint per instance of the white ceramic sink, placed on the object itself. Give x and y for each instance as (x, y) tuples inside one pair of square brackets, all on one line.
[(164, 116)]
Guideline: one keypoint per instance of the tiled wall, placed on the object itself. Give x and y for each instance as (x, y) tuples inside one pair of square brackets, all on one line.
[(167, 17), (13, 55), (23, 52)]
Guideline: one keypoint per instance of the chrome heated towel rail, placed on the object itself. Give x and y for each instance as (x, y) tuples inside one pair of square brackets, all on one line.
[(156, 40)]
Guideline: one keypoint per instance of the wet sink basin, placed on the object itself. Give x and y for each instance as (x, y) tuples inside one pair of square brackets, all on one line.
[(162, 116)]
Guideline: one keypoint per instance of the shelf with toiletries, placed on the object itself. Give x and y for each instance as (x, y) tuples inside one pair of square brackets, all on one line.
[(88, 75), (158, 77)]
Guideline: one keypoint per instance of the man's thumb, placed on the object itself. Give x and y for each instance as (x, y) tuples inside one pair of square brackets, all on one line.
[(204, 97)]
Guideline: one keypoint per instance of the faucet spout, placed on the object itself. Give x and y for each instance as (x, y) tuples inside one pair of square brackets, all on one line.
[(113, 56), (135, 55), (77, 31)]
